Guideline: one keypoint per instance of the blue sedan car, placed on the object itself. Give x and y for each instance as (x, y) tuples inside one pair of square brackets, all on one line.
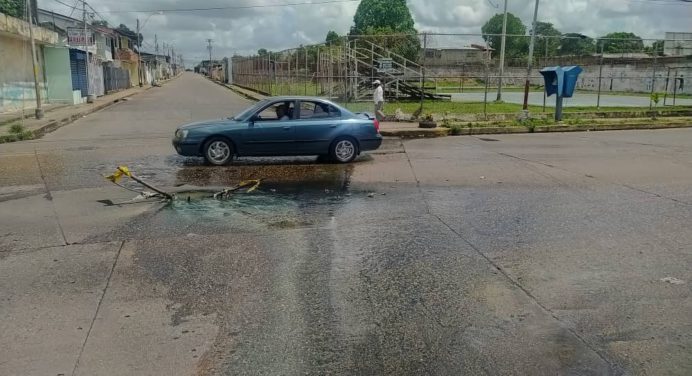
[(282, 126)]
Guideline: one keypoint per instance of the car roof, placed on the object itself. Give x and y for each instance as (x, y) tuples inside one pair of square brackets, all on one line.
[(301, 97), (297, 97)]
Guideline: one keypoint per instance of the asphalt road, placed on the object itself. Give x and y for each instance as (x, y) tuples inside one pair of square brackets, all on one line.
[(536, 254)]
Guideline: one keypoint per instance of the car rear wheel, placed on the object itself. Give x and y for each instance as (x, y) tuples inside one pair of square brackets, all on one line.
[(218, 151), (343, 150)]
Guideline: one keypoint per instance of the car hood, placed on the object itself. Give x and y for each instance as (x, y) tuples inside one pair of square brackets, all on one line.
[(208, 123)]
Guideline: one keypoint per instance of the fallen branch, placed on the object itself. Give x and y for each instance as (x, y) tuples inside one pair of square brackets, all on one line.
[(124, 171)]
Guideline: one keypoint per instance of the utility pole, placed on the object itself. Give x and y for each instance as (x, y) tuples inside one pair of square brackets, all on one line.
[(528, 70), (156, 43), (86, 47), (209, 47), (139, 56), (600, 75), (502, 54), (174, 66), (34, 62)]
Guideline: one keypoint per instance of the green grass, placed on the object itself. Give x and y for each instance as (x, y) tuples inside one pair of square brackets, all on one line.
[(441, 107)]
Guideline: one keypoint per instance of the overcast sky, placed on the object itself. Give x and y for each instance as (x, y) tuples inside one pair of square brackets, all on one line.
[(275, 28)]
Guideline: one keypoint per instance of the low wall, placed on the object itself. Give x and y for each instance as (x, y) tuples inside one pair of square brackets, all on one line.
[(618, 77)]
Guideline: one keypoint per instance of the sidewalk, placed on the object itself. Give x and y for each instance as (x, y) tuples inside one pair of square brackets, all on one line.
[(14, 116), (60, 116)]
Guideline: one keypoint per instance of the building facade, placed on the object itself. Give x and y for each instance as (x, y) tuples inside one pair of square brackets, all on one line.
[(17, 90)]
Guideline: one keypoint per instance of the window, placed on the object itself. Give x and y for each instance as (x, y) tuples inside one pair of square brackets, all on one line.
[(277, 111), (317, 110)]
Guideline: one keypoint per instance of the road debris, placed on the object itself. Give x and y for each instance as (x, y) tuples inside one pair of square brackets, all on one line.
[(184, 193), (125, 171), (673, 280), (251, 185)]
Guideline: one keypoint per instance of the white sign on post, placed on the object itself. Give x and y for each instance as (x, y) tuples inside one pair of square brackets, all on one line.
[(75, 37)]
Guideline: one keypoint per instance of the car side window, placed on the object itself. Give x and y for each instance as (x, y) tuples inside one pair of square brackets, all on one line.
[(279, 111), (316, 110)]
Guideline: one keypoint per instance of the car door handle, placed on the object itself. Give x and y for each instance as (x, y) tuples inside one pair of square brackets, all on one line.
[(287, 128), (333, 125)]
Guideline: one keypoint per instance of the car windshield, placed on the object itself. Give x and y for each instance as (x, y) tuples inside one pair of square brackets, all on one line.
[(249, 111)]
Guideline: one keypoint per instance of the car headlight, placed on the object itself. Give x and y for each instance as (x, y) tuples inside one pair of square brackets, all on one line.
[(181, 134)]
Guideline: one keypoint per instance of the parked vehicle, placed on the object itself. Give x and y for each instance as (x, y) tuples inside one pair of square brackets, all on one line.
[(282, 126)]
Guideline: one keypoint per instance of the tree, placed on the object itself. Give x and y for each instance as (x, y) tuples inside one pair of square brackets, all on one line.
[(621, 42), (13, 8), (103, 23), (515, 46), (375, 14), (262, 52), (393, 17), (547, 36), (657, 48), (576, 44), (332, 38)]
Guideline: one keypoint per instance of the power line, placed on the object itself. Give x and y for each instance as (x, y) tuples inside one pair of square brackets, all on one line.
[(233, 7), (73, 7), (662, 2)]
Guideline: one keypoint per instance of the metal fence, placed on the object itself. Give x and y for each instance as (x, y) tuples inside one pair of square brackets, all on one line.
[(115, 79), (464, 70)]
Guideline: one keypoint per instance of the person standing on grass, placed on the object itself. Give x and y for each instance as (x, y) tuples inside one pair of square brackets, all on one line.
[(378, 97)]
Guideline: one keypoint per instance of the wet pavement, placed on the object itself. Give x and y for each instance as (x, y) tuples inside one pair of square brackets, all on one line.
[(531, 254)]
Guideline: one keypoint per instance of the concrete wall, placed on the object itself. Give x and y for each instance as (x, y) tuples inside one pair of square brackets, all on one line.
[(58, 75), (132, 68), (452, 57), (17, 76), (621, 77), (20, 29)]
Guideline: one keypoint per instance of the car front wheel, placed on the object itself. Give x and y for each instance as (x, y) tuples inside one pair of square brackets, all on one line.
[(343, 150), (218, 151)]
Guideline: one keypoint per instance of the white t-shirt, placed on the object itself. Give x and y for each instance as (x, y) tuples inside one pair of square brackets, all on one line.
[(379, 94)]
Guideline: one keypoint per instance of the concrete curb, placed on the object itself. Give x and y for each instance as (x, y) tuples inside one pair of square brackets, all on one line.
[(415, 133), (567, 128), (243, 93)]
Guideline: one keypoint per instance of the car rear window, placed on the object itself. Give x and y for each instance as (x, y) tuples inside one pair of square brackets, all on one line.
[(317, 110)]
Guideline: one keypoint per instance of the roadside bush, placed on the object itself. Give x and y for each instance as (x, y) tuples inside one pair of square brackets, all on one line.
[(16, 129), (575, 121), (13, 137), (455, 129), (446, 123)]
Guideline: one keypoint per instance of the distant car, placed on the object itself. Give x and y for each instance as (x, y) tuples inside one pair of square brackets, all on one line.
[(282, 126)]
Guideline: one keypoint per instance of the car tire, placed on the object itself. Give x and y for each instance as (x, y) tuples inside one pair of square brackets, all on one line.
[(343, 150), (218, 151)]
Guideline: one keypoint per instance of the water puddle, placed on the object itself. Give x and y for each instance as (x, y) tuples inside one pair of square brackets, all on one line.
[(290, 196)]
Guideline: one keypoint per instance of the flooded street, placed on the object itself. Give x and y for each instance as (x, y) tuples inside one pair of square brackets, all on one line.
[(533, 254)]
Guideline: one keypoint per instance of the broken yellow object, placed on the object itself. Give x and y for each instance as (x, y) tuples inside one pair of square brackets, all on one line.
[(118, 174), (253, 184)]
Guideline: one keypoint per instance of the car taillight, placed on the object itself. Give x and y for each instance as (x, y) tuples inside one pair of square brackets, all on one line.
[(377, 125)]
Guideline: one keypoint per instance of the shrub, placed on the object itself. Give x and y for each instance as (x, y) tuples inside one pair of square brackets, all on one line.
[(455, 129), (16, 128)]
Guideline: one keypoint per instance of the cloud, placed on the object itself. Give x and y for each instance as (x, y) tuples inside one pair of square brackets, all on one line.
[(276, 28)]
